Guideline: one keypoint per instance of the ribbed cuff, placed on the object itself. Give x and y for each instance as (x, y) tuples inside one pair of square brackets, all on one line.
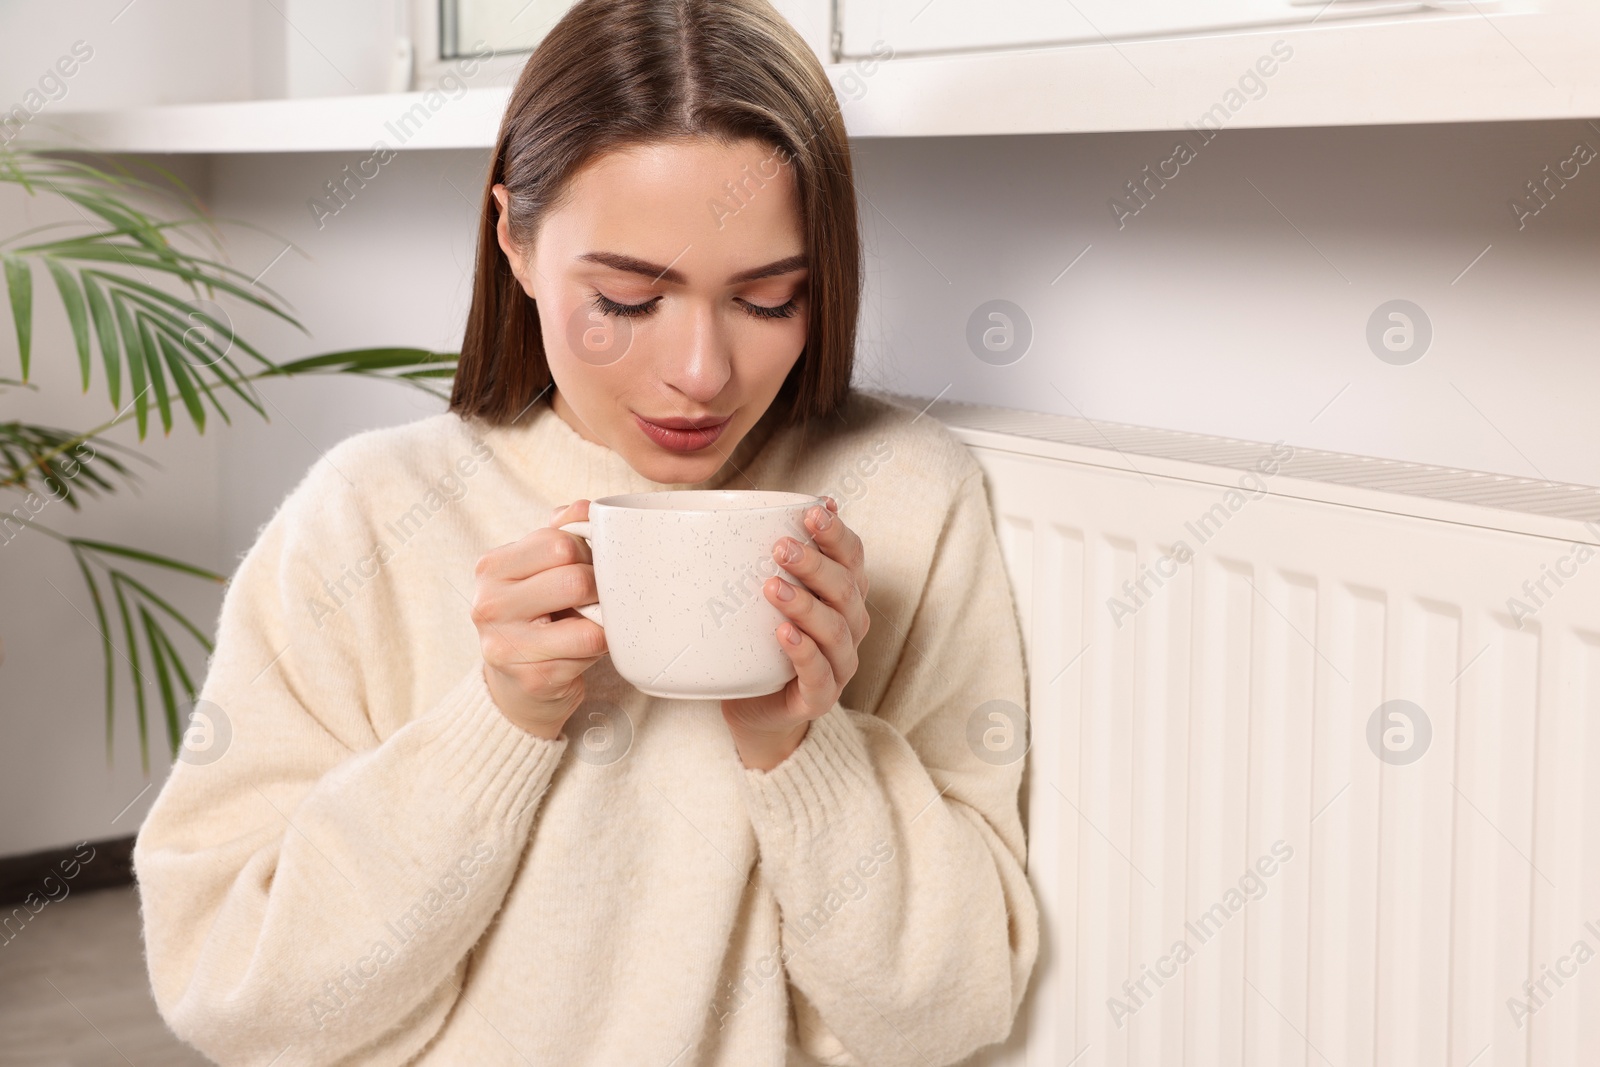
[(821, 783), (484, 758)]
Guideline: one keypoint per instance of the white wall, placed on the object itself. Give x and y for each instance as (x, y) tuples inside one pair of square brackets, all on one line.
[(393, 267), (335, 49), (147, 52), (1208, 311)]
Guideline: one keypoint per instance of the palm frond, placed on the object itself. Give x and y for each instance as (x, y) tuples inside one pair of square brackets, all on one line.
[(105, 274), (140, 290), (156, 663), (411, 366), (56, 462), (141, 612)]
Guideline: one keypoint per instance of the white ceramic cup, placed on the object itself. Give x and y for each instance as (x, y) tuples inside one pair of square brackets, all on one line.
[(679, 575)]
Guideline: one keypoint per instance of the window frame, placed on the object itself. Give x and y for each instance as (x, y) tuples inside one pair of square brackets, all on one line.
[(429, 65)]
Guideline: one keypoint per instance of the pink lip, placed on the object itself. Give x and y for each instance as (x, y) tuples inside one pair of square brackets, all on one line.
[(685, 436), (689, 424)]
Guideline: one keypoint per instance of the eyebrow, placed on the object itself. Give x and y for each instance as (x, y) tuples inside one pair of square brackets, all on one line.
[(617, 261)]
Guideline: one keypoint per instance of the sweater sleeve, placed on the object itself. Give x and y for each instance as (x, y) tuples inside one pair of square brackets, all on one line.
[(893, 840), (310, 892)]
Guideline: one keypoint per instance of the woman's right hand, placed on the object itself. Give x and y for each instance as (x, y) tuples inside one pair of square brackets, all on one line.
[(535, 646)]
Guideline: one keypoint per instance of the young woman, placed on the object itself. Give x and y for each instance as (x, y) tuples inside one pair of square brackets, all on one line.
[(442, 830)]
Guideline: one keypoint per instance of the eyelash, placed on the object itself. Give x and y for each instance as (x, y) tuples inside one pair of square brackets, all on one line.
[(608, 306)]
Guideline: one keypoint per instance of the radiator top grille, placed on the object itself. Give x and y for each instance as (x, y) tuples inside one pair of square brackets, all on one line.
[(1484, 489)]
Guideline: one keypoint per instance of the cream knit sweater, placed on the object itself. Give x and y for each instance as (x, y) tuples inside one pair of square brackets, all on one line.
[(381, 869)]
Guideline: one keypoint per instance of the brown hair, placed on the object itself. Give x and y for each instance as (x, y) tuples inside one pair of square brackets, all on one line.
[(613, 73)]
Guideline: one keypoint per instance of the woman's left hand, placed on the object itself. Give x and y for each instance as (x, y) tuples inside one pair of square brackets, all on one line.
[(826, 620)]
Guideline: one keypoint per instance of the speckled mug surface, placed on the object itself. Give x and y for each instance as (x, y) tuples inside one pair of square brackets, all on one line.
[(679, 575)]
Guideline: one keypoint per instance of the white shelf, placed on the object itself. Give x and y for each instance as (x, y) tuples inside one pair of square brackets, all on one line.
[(329, 124), (1457, 67)]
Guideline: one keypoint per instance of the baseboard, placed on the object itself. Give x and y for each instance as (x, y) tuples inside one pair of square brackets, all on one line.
[(50, 874)]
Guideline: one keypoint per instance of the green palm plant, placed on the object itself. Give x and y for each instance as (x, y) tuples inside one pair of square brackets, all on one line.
[(140, 277)]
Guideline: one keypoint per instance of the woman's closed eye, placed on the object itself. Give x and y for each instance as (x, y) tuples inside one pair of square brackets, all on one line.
[(607, 306)]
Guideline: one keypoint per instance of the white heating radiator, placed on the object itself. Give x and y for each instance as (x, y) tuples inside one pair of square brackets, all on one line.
[(1217, 719)]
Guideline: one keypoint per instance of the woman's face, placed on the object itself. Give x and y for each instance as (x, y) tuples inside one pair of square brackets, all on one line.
[(671, 285)]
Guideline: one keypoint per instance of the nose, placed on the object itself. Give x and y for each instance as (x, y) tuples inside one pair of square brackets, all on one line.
[(696, 361)]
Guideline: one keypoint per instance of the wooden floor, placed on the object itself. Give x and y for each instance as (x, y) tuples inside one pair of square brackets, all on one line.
[(73, 990)]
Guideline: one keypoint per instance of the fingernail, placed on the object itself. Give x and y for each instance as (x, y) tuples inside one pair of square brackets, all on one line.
[(824, 518), (789, 551), (785, 590), (794, 634), (559, 508)]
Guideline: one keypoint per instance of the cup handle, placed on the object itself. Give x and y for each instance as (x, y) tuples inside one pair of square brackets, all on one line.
[(585, 531)]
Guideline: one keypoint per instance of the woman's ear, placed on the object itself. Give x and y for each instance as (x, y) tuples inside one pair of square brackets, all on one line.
[(502, 231)]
